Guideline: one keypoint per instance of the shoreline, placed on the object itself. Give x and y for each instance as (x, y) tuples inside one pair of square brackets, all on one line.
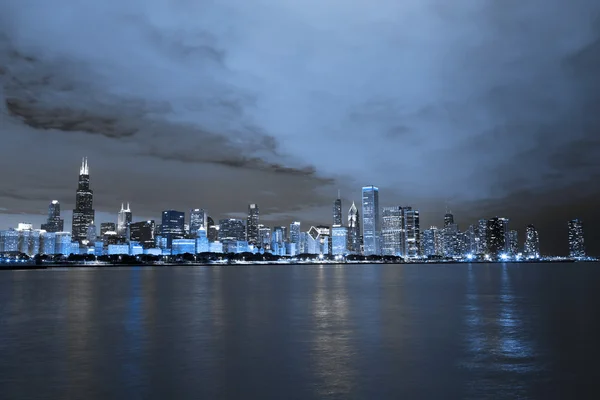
[(24, 267)]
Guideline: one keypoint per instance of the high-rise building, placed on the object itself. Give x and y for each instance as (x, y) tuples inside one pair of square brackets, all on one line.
[(143, 233), (513, 242), (54, 223), (295, 234), (124, 218), (392, 229), (92, 233), (337, 211), (107, 227), (576, 241), (532, 243), (198, 219), (482, 236), (354, 236), (232, 229), (506, 235), (448, 219), (83, 214), (339, 240), (451, 240), (318, 240), (213, 230), (412, 232), (278, 239), (371, 223), (495, 235), (264, 237), (173, 226), (431, 242), (252, 224)]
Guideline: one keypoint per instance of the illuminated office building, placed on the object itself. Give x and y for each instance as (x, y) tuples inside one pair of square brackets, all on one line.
[(371, 223), (83, 214), (576, 241)]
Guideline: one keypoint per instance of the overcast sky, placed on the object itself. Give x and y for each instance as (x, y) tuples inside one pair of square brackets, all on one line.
[(488, 107)]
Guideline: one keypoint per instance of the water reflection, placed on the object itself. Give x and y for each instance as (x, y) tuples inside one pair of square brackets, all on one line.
[(80, 291), (333, 348), (134, 334), (495, 334)]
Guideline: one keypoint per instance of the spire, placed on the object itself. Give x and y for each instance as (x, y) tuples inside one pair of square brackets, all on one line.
[(122, 208), (84, 170), (338, 193), (128, 209), (353, 208)]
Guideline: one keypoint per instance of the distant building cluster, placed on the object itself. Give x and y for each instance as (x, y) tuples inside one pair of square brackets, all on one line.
[(374, 231)]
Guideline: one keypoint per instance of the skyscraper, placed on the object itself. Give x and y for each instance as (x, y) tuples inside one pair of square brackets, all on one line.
[(371, 222), (54, 223), (482, 236), (83, 214), (495, 235), (107, 227), (576, 242), (264, 236), (198, 219), (337, 211), (252, 224), (213, 230), (124, 219), (143, 233), (532, 243), (232, 229), (354, 236), (431, 242), (392, 228), (173, 226), (513, 242), (448, 219), (412, 232), (339, 240), (295, 234)]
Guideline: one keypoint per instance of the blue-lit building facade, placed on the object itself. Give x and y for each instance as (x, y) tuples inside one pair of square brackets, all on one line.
[(371, 223)]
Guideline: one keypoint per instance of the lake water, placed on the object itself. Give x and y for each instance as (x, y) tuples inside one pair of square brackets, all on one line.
[(528, 331)]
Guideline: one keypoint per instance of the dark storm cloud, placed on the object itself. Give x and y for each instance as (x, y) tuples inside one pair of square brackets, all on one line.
[(466, 103)]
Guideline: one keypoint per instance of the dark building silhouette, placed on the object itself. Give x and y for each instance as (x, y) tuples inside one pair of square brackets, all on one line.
[(252, 224), (337, 211), (54, 223), (232, 229), (107, 227), (496, 236), (448, 219), (143, 233), (173, 226), (83, 214), (213, 232)]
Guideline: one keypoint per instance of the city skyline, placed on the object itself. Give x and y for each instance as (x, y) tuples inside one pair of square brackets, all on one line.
[(393, 231), (287, 103)]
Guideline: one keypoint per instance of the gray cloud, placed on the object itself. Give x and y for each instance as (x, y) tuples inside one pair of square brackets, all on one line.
[(473, 103)]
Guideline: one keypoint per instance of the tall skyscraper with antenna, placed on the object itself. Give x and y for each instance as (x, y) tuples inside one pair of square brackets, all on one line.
[(83, 214), (124, 219), (337, 211), (354, 237)]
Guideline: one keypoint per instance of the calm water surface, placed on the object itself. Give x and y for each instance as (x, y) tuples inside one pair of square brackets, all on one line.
[(302, 332)]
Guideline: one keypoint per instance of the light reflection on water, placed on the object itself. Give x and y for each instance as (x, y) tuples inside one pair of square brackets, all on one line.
[(301, 332), (332, 350)]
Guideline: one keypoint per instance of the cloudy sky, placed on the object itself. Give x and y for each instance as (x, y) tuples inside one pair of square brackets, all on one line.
[(488, 107)]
